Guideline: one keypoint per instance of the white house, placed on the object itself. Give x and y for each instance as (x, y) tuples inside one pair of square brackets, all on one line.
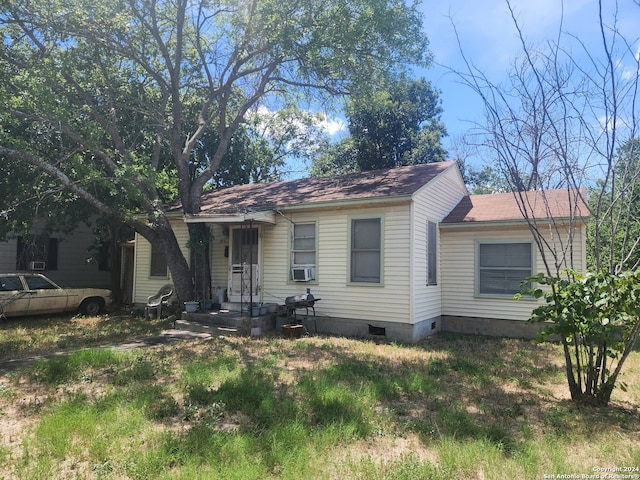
[(402, 253)]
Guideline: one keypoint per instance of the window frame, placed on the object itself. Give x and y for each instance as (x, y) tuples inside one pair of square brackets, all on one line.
[(293, 250), (40, 249), (155, 251), (431, 253), (532, 259), (351, 280)]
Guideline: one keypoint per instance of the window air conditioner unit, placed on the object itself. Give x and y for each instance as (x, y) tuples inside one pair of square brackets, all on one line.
[(37, 266), (302, 274)]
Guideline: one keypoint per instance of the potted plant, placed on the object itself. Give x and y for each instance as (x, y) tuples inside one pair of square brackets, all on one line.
[(191, 306)]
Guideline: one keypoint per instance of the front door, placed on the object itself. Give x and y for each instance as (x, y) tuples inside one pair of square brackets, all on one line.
[(244, 265)]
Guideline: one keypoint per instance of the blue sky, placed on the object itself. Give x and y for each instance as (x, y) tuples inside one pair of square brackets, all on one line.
[(489, 41)]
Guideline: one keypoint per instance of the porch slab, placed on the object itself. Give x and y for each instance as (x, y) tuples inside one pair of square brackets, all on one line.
[(240, 322), (199, 328)]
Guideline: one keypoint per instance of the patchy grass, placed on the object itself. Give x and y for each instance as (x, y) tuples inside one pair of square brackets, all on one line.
[(26, 337), (318, 407)]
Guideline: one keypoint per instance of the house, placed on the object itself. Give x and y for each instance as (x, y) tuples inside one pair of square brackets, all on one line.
[(390, 252), (64, 258)]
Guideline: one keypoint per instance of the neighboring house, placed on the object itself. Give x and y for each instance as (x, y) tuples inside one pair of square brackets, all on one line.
[(390, 252), (64, 258)]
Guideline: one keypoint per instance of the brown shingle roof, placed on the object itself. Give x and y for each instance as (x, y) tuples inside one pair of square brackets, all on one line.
[(396, 182), (503, 207)]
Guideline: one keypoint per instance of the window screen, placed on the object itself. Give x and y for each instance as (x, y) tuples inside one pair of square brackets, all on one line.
[(304, 244), (503, 267), (158, 263), (366, 244)]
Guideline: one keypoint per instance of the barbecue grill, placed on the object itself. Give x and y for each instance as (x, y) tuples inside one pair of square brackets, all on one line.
[(306, 301)]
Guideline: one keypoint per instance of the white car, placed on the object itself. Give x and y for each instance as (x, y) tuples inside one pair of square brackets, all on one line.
[(35, 294)]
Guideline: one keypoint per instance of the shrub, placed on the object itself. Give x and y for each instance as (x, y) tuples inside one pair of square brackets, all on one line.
[(596, 317)]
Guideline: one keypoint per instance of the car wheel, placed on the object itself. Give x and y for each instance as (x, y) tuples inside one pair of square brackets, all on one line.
[(91, 306)]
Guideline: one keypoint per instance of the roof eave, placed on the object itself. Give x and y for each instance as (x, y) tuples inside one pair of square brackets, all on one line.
[(347, 203), (510, 222), (263, 216)]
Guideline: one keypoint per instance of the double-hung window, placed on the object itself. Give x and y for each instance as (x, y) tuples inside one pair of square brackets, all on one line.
[(366, 250), (502, 267), (303, 249)]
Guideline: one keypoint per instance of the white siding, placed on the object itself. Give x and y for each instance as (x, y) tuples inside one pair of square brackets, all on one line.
[(433, 203), (145, 284), (386, 302), (459, 272)]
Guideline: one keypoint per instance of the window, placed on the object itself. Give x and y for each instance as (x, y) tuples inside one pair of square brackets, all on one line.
[(9, 284), (432, 253), (158, 262), (303, 246), (366, 251), (42, 250), (39, 283), (502, 267)]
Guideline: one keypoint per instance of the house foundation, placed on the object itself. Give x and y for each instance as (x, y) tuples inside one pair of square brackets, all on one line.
[(490, 326), (362, 328), (347, 327)]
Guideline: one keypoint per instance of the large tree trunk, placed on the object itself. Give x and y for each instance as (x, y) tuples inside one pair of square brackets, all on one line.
[(164, 237), (180, 273)]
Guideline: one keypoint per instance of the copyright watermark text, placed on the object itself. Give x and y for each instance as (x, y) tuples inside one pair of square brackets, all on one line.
[(600, 473)]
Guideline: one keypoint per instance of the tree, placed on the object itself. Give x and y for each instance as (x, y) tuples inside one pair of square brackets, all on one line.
[(268, 143), (29, 196), (564, 119), (390, 127), (128, 90), (337, 158), (618, 202), (479, 181)]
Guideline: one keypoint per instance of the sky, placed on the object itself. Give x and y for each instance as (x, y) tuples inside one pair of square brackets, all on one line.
[(488, 40)]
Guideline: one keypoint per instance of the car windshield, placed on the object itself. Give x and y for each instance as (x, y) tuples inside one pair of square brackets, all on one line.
[(39, 283), (10, 284)]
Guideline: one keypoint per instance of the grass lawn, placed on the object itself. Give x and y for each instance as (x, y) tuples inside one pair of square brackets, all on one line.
[(450, 407)]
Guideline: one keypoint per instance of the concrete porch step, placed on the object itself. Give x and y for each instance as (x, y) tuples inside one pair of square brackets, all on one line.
[(225, 318), (214, 330)]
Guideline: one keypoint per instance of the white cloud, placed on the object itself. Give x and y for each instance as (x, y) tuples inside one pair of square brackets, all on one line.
[(630, 74), (333, 126)]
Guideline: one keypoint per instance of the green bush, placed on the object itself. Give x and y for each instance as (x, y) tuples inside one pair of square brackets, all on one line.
[(596, 317)]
